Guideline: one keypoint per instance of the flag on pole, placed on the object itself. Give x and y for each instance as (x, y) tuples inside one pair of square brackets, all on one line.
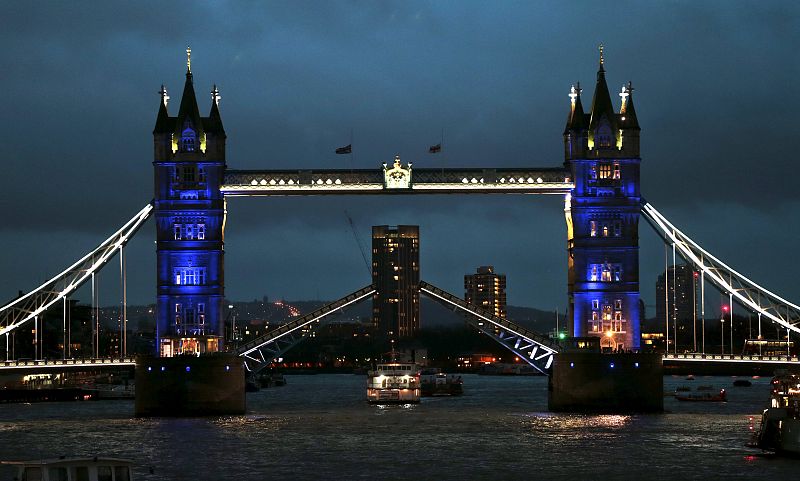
[(347, 149), (433, 149)]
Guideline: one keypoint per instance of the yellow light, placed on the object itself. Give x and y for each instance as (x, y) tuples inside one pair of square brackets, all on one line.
[(609, 334)]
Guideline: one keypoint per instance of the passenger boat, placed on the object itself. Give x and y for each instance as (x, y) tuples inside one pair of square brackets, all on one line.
[(73, 469), (780, 423), (393, 383), (706, 395), (436, 383)]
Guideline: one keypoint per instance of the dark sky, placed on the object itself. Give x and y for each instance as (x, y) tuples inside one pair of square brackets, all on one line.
[(715, 95)]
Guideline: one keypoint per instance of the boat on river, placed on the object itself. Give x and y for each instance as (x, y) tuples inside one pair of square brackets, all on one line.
[(73, 469), (437, 383), (394, 383), (703, 396), (780, 423)]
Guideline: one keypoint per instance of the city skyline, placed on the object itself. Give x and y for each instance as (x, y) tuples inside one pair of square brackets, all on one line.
[(301, 86)]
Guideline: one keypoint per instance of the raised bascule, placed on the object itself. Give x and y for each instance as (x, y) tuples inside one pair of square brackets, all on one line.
[(599, 180)]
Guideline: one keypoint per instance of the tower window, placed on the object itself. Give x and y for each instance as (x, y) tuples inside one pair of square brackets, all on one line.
[(617, 228), (188, 139), (605, 171), (617, 174), (606, 273), (201, 231), (605, 230), (189, 276), (593, 228), (593, 173), (189, 173), (177, 232), (618, 304), (595, 304)]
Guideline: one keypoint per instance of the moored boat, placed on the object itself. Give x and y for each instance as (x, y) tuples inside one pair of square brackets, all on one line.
[(76, 469), (780, 423), (703, 396), (393, 383), (436, 383)]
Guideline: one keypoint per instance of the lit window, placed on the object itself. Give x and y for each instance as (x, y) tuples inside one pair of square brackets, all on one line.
[(617, 274), (594, 315), (605, 171), (605, 275), (593, 228), (617, 316), (188, 138), (616, 171), (593, 275), (201, 231), (593, 173), (605, 230), (177, 232)]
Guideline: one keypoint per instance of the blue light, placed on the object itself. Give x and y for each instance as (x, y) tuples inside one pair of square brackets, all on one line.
[(572, 364), (636, 364), (612, 365), (227, 368), (149, 368), (163, 368), (188, 369)]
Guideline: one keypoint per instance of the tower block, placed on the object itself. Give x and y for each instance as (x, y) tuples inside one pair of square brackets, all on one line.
[(189, 167), (601, 148)]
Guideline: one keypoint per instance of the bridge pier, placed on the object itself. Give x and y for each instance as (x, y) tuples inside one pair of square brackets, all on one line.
[(210, 385), (592, 382)]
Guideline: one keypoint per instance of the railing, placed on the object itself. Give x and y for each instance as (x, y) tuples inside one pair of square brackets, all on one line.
[(535, 349), (28, 363), (695, 357), (34, 303), (260, 352), (748, 293), (371, 181)]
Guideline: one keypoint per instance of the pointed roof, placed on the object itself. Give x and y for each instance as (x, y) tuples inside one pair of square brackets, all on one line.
[(627, 112), (576, 120), (163, 123), (188, 109), (213, 123), (601, 102)]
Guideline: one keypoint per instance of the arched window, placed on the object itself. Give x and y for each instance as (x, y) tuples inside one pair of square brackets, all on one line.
[(188, 138), (603, 135)]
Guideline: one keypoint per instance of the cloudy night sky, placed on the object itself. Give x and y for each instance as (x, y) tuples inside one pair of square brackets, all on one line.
[(714, 95)]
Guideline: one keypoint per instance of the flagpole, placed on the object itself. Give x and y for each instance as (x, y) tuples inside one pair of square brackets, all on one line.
[(351, 150)]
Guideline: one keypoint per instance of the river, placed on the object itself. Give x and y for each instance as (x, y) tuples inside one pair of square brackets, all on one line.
[(320, 427)]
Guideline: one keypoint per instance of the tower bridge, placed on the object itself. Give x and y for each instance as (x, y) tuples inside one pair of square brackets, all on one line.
[(599, 179)]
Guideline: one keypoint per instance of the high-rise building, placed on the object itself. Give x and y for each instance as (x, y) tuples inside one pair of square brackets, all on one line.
[(395, 274), (189, 211), (601, 148), (677, 297), (486, 289)]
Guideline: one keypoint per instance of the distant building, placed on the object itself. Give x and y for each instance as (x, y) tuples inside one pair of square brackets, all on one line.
[(395, 274), (676, 300), (486, 289)]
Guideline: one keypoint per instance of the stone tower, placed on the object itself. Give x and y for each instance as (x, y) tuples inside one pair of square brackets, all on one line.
[(189, 164), (601, 148)]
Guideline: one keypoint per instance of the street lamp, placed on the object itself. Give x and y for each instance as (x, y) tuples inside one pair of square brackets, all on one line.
[(722, 330)]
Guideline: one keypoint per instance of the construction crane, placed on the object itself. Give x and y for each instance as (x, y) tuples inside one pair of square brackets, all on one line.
[(360, 244)]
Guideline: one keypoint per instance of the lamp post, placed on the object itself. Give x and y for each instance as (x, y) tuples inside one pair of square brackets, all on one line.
[(722, 332)]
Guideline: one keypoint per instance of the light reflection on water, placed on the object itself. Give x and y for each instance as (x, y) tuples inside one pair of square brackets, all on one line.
[(321, 427)]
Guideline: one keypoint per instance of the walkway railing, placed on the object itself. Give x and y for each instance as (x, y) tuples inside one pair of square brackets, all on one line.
[(535, 349), (261, 352), (748, 293), (23, 309), (695, 357)]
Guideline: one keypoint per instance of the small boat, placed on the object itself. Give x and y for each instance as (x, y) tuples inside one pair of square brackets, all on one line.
[(436, 383), (742, 383), (780, 423), (394, 383), (703, 396), (690, 377), (76, 469)]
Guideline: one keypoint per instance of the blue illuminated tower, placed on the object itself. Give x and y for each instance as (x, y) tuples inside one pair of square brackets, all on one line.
[(602, 151), (190, 212)]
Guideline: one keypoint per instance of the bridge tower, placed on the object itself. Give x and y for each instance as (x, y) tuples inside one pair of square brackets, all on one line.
[(601, 148), (189, 167)]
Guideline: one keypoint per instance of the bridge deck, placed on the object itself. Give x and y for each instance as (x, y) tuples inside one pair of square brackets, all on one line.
[(374, 181)]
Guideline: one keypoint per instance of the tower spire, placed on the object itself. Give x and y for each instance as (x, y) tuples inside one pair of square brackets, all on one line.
[(601, 47), (189, 59)]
